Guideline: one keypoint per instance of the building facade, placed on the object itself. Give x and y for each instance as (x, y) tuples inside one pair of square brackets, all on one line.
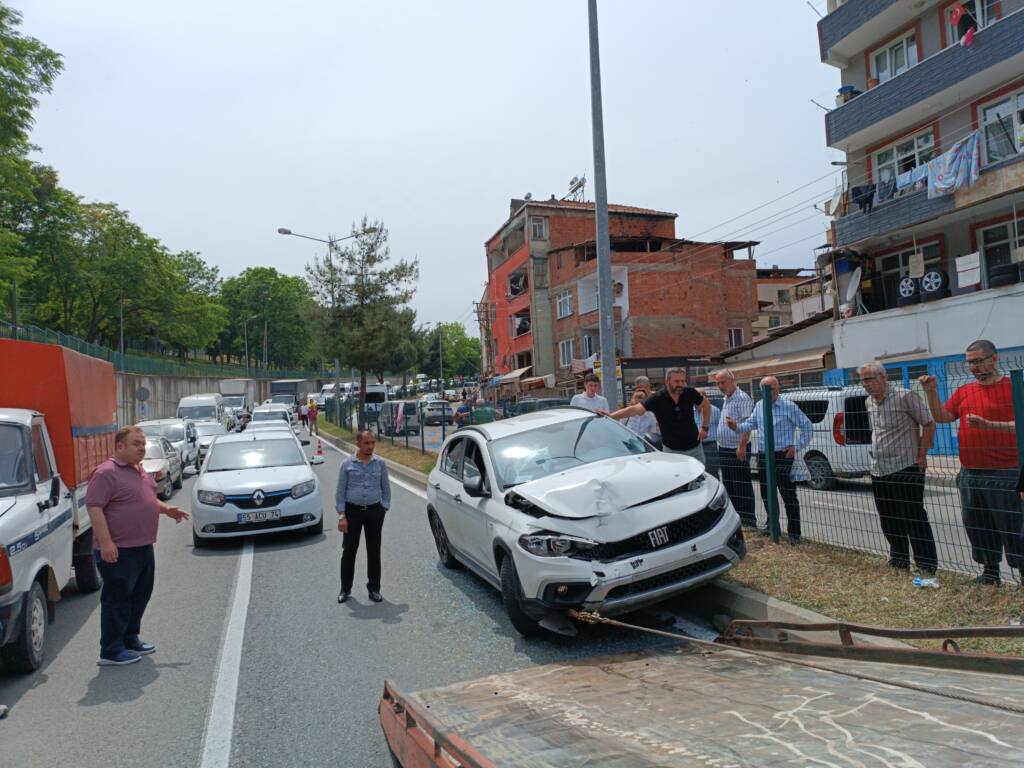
[(931, 268), (775, 294)]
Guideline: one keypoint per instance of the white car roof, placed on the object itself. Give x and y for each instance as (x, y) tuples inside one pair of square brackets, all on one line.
[(496, 430), (248, 437), (261, 426), (160, 422), (18, 416), (271, 407)]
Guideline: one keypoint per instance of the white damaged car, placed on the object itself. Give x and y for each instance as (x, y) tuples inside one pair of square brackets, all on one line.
[(563, 509)]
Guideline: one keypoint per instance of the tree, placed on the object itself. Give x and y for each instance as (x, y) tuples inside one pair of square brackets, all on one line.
[(365, 291), (198, 316), (279, 303), (402, 353), (458, 354)]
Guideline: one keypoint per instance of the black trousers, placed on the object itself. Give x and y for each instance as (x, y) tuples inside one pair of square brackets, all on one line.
[(371, 521), (787, 488), (899, 498), (736, 478), (127, 587), (993, 516)]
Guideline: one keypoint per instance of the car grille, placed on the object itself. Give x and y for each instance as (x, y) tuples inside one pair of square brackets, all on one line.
[(683, 529), (668, 578), (245, 501), (263, 525)]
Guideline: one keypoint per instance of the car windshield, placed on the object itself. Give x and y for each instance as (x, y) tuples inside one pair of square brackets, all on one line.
[(233, 402), (154, 450), (205, 430), (254, 454), (13, 460), (375, 397), (270, 416), (543, 451), (173, 432), (283, 399), (196, 412)]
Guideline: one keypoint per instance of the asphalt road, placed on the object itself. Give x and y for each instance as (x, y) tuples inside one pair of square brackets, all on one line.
[(309, 671)]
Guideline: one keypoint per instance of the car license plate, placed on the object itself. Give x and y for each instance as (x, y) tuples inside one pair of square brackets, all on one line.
[(259, 516)]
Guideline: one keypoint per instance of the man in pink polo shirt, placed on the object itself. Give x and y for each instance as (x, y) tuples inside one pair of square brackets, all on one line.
[(125, 513)]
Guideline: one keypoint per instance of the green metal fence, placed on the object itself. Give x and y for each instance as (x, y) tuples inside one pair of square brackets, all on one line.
[(159, 366)]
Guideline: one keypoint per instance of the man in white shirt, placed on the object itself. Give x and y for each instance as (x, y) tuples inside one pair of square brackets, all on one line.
[(589, 398)]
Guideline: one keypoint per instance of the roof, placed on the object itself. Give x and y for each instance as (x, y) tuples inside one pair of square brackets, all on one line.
[(272, 407), (777, 333), (18, 416), (496, 430), (517, 207), (159, 422), (264, 434), (670, 243)]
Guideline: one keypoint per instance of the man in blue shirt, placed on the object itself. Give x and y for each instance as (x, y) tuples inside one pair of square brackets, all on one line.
[(710, 443), (362, 500), (788, 420)]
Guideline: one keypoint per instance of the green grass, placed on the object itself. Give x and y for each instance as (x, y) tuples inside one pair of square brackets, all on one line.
[(407, 457)]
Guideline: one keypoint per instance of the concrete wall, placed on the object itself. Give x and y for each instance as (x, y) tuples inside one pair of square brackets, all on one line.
[(166, 391)]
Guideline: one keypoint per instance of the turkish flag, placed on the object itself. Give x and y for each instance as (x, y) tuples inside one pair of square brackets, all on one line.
[(968, 39), (956, 14)]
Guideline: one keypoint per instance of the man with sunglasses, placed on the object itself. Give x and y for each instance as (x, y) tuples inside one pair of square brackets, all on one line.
[(988, 458)]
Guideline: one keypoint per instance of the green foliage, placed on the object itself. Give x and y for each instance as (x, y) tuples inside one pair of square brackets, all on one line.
[(458, 354)]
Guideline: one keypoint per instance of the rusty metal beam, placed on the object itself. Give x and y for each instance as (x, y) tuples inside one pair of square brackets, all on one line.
[(941, 633)]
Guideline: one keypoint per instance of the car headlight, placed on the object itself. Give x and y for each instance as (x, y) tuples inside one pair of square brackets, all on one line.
[(554, 544), (721, 498), (211, 498), (303, 489)]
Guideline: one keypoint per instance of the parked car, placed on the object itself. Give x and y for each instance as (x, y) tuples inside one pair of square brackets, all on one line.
[(163, 463), (532, 404), (179, 433), (256, 483), (206, 433), (563, 509), (207, 407), (437, 411), (274, 412), (399, 417)]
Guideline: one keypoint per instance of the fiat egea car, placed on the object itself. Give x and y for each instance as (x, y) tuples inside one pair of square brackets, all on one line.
[(563, 509), (256, 483)]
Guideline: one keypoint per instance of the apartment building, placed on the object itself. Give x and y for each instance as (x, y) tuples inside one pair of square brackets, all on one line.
[(933, 257), (671, 296), (775, 293)]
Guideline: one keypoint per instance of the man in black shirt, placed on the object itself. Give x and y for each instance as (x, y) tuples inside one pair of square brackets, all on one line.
[(673, 408)]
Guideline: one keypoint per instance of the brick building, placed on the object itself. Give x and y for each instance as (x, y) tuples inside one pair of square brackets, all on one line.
[(672, 296)]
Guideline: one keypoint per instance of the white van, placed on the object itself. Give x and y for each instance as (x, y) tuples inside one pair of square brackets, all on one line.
[(208, 407), (376, 396)]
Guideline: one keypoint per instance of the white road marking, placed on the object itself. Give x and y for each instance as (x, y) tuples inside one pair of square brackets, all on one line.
[(400, 483), (220, 723)]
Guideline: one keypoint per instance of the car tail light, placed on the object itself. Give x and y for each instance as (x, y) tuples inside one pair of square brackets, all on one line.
[(839, 429), (6, 574)]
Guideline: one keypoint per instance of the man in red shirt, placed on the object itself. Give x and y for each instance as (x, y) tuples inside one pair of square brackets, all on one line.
[(125, 513), (988, 459)]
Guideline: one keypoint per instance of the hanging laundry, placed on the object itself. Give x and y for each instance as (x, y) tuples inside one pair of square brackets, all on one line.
[(886, 190), (863, 196), (957, 168), (912, 177)]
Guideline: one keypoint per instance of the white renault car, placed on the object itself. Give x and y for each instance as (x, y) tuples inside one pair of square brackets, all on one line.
[(563, 509), (256, 483)]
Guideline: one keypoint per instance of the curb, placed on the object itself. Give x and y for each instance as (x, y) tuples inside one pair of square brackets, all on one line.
[(745, 603), (395, 468)]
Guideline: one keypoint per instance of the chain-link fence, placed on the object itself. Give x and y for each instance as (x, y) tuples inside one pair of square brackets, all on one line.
[(926, 475)]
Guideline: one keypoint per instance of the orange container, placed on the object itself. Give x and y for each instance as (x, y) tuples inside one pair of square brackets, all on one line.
[(76, 393)]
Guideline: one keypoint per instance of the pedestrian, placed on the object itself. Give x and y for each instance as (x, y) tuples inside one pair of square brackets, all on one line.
[(304, 414), (673, 407), (646, 423), (787, 421), (710, 444), (988, 460), (362, 500), (902, 432), (125, 514), (312, 413), (463, 414), (589, 398), (732, 447)]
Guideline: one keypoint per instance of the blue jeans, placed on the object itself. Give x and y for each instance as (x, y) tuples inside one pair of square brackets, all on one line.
[(127, 587)]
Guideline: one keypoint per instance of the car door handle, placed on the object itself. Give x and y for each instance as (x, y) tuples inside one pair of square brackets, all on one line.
[(436, 486), (458, 498)]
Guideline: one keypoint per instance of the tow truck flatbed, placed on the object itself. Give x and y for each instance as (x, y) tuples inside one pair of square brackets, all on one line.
[(715, 708)]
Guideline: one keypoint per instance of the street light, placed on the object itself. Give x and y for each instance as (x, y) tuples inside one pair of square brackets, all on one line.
[(332, 241), (245, 326)]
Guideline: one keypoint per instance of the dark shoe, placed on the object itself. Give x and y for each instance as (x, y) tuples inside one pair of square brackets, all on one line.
[(793, 539), (899, 565), (119, 659), (376, 596), (141, 647), (988, 579), (343, 596)]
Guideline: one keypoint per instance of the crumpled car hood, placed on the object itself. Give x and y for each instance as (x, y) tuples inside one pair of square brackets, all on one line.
[(604, 487)]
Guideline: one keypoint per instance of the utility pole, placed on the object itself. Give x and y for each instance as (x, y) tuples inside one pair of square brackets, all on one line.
[(14, 306), (605, 299), (122, 326), (440, 358), (245, 326), (264, 342)]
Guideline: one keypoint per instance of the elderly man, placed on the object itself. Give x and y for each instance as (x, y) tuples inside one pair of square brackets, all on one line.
[(988, 460), (732, 447), (125, 513), (673, 408), (902, 431), (787, 421)]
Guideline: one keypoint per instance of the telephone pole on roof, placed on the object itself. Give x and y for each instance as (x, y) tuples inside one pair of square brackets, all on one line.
[(605, 299)]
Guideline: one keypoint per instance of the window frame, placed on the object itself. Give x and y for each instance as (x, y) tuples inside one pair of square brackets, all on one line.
[(1007, 240), (1015, 98), (879, 272), (887, 48), (949, 32), (893, 146), (542, 221), (735, 332), (586, 346), (458, 444), (564, 309), (39, 451), (565, 360)]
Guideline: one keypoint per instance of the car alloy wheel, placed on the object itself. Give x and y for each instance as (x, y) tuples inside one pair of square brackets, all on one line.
[(444, 552), (907, 287)]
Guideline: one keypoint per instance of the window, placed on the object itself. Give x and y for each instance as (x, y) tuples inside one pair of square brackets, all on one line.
[(537, 228), (814, 410), (473, 463), (1002, 128), (735, 337), (42, 459), (895, 58), (586, 346), (893, 267), (977, 13), (782, 297), (565, 303), (452, 460), (517, 284), (774, 321), (524, 359), (520, 324), (996, 248), (565, 350), (904, 156)]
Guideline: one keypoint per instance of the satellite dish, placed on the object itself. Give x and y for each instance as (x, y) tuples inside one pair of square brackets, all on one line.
[(142, 394), (854, 286)]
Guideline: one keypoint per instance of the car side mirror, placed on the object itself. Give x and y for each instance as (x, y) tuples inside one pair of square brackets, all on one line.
[(317, 459), (54, 490), (474, 486), (304, 442), (655, 439)]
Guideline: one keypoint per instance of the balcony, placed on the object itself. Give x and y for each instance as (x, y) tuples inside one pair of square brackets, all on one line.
[(856, 24), (586, 290), (942, 81)]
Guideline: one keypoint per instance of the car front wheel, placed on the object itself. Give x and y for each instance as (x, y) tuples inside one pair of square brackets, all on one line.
[(822, 478), (512, 596), (444, 551), (25, 652)]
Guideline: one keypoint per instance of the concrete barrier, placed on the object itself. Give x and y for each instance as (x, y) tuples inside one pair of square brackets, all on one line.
[(166, 391)]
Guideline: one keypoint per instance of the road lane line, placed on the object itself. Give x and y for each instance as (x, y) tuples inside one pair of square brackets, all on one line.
[(220, 723), (400, 483)]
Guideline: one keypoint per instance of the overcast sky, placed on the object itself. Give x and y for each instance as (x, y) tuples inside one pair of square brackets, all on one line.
[(216, 122)]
